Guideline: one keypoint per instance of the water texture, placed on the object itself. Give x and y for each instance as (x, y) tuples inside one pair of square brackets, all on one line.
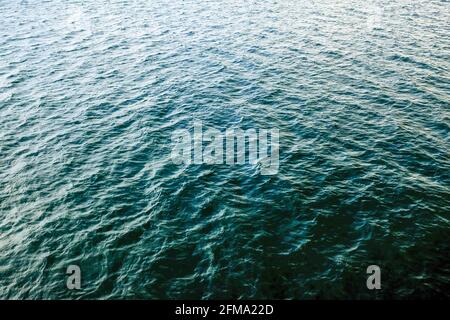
[(91, 91)]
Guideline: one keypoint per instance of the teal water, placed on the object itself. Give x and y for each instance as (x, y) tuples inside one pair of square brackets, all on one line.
[(91, 91)]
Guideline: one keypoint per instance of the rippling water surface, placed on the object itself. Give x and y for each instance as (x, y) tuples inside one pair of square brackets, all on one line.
[(91, 91)]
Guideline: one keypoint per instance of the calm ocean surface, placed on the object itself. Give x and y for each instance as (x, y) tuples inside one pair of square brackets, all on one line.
[(91, 91)]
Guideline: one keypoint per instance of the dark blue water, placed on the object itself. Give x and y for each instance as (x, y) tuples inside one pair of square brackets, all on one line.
[(91, 91)]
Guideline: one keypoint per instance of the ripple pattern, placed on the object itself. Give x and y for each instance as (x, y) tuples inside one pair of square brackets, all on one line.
[(90, 92)]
